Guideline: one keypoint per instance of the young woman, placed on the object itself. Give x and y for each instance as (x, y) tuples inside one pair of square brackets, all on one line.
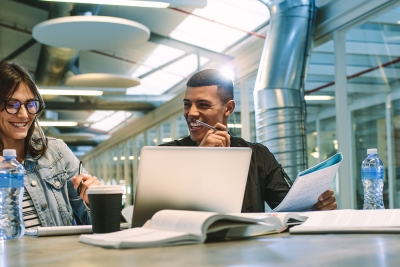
[(51, 169)]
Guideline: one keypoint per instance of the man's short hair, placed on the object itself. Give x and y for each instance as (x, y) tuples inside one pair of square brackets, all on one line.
[(210, 77)]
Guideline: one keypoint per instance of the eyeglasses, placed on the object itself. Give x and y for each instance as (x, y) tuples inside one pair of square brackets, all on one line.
[(12, 106)]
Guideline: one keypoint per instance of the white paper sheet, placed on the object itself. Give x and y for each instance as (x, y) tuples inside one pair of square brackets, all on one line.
[(350, 221), (309, 185)]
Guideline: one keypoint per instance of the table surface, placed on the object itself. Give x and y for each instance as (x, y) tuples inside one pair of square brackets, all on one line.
[(270, 250)]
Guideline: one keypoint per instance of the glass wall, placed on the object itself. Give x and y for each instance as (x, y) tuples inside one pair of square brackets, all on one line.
[(396, 152), (151, 136), (371, 56), (373, 71)]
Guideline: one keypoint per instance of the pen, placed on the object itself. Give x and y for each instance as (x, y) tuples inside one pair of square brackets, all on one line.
[(206, 125), (80, 172)]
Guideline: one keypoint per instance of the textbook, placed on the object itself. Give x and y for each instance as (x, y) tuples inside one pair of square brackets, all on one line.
[(174, 227), (350, 221), (309, 185)]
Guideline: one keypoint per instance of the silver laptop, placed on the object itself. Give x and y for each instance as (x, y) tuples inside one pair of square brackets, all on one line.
[(190, 178)]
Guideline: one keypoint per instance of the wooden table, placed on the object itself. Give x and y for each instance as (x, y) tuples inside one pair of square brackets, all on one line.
[(272, 250)]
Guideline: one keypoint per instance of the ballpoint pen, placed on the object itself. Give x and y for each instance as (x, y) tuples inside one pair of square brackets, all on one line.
[(80, 172), (206, 125)]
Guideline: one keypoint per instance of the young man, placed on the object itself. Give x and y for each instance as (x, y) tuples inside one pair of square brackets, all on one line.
[(209, 99)]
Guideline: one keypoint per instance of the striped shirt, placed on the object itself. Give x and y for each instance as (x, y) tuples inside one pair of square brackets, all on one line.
[(31, 218)]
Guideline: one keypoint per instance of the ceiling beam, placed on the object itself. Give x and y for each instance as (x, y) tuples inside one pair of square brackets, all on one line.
[(189, 48), (58, 105), (21, 49), (163, 66)]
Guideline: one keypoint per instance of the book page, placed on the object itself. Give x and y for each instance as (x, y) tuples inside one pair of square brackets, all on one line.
[(279, 220), (308, 186), (180, 220), (353, 218), (195, 222), (138, 237)]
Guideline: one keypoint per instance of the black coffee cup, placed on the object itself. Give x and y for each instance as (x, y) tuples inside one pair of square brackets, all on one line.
[(105, 207)]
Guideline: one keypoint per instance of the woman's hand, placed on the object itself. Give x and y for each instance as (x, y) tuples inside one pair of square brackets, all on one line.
[(87, 181)]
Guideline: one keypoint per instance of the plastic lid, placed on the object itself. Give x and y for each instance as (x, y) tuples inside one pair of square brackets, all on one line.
[(105, 189), (372, 151), (9, 153)]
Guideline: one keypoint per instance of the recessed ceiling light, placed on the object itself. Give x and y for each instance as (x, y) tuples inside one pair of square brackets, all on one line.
[(106, 80), (58, 123), (232, 125), (318, 97), (117, 3), (69, 92)]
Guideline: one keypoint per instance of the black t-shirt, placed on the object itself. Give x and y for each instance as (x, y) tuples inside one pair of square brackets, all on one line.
[(266, 181)]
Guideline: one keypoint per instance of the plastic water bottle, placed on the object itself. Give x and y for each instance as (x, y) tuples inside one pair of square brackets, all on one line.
[(11, 194), (372, 174)]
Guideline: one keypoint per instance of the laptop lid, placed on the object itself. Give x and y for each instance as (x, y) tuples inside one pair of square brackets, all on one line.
[(190, 178)]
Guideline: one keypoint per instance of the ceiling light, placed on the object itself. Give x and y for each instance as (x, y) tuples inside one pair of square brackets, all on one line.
[(58, 123), (228, 72), (315, 153), (232, 125), (319, 97), (69, 92), (117, 3)]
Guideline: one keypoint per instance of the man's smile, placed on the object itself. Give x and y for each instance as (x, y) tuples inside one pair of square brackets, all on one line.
[(194, 126)]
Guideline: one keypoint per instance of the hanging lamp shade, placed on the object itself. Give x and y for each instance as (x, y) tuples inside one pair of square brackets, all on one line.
[(90, 32)]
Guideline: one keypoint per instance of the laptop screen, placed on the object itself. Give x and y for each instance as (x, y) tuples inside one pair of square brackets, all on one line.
[(190, 178)]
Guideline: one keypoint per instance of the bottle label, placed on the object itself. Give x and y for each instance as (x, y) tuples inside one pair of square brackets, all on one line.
[(11, 180), (372, 173)]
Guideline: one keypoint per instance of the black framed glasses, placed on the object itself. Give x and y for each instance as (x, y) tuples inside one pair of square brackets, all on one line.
[(12, 106)]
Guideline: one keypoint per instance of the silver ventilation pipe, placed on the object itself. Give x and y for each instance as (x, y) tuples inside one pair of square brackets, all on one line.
[(54, 62), (280, 108)]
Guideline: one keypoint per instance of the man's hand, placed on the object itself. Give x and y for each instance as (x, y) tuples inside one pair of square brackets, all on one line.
[(326, 201), (217, 138), (88, 181)]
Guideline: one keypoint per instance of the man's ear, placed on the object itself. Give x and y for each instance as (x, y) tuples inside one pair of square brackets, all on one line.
[(229, 107)]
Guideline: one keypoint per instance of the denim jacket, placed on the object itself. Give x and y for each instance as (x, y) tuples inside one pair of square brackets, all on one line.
[(48, 179)]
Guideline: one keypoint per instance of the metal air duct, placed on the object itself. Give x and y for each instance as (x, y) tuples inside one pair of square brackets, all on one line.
[(55, 62), (279, 89)]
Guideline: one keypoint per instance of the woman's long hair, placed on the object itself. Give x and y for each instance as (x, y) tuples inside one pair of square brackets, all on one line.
[(11, 76)]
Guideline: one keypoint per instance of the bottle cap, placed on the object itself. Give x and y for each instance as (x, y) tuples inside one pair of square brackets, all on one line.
[(9, 153), (372, 151)]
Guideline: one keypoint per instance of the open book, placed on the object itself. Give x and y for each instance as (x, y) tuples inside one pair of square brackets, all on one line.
[(350, 221), (173, 227), (309, 185)]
